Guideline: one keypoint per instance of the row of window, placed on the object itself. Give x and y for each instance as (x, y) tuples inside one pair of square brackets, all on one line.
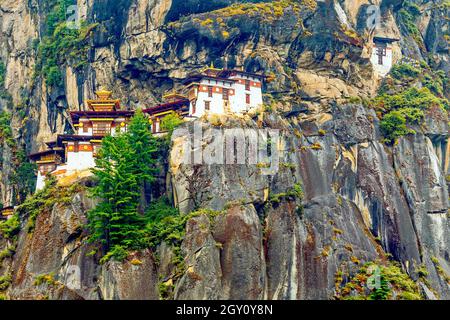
[(208, 103), (99, 128), (247, 84), (225, 92)]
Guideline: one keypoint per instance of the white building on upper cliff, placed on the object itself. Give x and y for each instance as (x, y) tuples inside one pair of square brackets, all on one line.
[(223, 91), (382, 55)]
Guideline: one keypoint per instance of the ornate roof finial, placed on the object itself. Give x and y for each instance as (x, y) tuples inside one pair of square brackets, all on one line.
[(103, 94)]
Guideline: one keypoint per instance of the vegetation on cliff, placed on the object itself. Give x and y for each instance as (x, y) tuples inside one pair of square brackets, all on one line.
[(46, 199), (4, 94), (5, 129), (411, 90), (409, 14), (10, 227), (63, 44), (171, 122), (377, 281), (221, 23), (22, 175)]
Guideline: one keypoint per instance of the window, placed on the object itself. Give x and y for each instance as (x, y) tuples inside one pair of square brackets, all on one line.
[(247, 85), (207, 105), (381, 52), (85, 128), (225, 94), (101, 128), (247, 98), (210, 91), (96, 150), (48, 157), (45, 169)]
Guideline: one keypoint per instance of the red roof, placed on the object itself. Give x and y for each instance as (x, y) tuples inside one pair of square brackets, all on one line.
[(42, 153), (76, 115), (228, 72), (175, 105)]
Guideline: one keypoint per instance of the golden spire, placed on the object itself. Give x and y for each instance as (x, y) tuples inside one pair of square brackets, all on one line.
[(211, 68), (103, 94)]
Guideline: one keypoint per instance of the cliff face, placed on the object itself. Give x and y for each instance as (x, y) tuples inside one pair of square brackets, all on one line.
[(363, 200)]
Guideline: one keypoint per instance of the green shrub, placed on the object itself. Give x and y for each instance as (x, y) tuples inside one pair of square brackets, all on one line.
[(295, 193), (393, 125), (408, 15), (2, 74), (435, 83), (166, 224), (412, 115), (405, 108), (48, 279), (413, 97), (403, 70), (5, 282), (171, 122), (117, 253), (7, 253), (10, 227), (5, 129)]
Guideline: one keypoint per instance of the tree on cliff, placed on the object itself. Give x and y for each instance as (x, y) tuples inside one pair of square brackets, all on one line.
[(124, 165)]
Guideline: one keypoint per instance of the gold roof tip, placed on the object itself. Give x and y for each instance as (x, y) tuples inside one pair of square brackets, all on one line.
[(211, 67), (173, 94), (103, 94), (169, 93)]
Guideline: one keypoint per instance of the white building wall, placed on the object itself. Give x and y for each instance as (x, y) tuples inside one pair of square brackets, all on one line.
[(256, 97), (40, 183), (80, 160), (82, 133), (255, 92), (383, 69), (239, 104), (217, 104)]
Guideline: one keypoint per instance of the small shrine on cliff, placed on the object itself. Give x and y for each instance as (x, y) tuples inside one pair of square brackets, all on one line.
[(382, 54)]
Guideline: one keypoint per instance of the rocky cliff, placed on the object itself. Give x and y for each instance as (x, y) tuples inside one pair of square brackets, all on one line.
[(363, 200)]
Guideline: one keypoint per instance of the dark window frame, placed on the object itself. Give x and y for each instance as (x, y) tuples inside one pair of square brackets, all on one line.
[(247, 85)]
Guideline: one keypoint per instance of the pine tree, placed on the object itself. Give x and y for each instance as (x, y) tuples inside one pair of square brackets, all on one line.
[(146, 149), (124, 165)]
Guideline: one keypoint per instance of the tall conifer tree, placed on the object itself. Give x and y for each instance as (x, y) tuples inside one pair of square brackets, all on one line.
[(124, 164)]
